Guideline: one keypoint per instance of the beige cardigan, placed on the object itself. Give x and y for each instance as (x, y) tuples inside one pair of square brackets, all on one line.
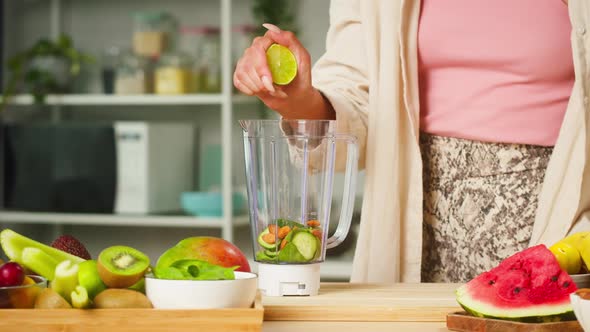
[(369, 73)]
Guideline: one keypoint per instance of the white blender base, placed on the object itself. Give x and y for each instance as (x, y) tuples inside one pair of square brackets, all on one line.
[(289, 279)]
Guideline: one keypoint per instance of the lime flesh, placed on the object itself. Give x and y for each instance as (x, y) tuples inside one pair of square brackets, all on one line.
[(282, 64)]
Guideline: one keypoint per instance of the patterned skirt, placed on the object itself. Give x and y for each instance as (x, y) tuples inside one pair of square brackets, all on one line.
[(480, 201)]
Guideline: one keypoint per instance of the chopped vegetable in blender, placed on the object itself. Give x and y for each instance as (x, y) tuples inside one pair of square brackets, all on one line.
[(290, 242)]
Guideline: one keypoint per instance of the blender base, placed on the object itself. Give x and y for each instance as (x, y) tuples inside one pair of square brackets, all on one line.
[(289, 279)]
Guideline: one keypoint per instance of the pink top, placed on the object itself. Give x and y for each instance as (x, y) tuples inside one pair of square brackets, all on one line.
[(495, 71)]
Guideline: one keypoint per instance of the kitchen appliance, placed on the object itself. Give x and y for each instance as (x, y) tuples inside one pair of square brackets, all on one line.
[(154, 164), (123, 167), (289, 173)]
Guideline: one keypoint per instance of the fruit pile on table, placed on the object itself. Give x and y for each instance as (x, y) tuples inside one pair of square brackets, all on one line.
[(63, 275), (533, 285), (573, 253)]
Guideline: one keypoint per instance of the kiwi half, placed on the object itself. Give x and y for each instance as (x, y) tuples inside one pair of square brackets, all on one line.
[(121, 266)]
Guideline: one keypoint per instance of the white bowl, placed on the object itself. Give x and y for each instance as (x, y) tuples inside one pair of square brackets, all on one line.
[(581, 280), (582, 310), (202, 294)]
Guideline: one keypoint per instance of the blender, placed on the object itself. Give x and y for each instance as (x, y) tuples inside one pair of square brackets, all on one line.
[(290, 168)]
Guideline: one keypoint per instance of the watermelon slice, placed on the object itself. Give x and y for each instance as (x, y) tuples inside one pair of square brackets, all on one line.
[(528, 286)]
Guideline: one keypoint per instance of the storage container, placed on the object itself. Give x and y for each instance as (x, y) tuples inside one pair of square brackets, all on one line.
[(153, 33)]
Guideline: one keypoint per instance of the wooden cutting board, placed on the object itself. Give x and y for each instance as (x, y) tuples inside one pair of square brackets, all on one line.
[(132, 320), (368, 303), (465, 323)]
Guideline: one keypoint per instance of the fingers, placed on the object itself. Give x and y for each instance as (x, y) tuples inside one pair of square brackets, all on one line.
[(249, 83), (240, 86), (258, 50), (252, 71), (242, 82)]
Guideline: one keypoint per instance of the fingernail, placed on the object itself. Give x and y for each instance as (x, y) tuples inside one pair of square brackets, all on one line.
[(268, 84), (272, 27)]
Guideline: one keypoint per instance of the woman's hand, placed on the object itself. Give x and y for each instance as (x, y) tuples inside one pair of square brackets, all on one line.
[(299, 99)]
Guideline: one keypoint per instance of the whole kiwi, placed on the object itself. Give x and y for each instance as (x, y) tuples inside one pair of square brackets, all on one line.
[(50, 299), (113, 298)]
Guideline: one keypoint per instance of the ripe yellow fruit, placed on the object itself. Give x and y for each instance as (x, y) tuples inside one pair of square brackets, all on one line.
[(24, 297), (567, 256), (576, 240), (585, 251)]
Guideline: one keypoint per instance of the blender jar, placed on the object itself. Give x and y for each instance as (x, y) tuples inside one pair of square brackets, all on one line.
[(290, 171)]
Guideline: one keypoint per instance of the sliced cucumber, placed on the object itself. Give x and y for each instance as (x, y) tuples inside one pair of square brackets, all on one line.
[(290, 254), (292, 233), (262, 243), (319, 250), (262, 257), (306, 244), (271, 253)]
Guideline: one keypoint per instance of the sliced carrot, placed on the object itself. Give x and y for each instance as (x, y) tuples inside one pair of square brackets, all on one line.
[(283, 231), (272, 228), (313, 223), (283, 244), (317, 233), (269, 238)]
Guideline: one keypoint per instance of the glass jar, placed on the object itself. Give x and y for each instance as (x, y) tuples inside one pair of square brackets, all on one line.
[(173, 74), (110, 60), (132, 75), (203, 44), (153, 33), (190, 38)]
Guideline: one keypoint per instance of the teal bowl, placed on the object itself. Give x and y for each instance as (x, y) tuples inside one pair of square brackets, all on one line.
[(209, 204)]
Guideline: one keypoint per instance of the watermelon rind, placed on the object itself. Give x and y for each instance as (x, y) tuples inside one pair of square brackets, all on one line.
[(535, 314)]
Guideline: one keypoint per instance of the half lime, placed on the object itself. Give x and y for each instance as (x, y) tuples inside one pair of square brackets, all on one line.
[(282, 64)]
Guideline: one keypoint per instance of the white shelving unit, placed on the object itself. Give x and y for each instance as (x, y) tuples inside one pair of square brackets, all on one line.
[(224, 100), (105, 100), (118, 219)]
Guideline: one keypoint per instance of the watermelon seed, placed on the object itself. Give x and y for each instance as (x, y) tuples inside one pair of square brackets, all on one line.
[(554, 278), (517, 290), (566, 284), (491, 282)]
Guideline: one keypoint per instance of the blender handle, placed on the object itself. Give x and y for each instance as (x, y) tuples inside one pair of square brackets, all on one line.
[(348, 195)]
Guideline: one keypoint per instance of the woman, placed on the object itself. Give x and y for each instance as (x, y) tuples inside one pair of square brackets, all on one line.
[(471, 119)]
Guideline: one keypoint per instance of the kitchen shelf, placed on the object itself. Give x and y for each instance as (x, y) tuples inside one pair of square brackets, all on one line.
[(117, 219), (224, 102), (148, 99)]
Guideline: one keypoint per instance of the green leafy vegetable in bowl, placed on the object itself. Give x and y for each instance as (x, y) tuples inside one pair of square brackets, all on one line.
[(193, 269)]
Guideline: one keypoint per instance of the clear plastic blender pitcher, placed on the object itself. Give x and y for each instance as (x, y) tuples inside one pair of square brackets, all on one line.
[(290, 172)]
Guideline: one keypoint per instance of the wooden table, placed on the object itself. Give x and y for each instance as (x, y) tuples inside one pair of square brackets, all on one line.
[(355, 307)]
